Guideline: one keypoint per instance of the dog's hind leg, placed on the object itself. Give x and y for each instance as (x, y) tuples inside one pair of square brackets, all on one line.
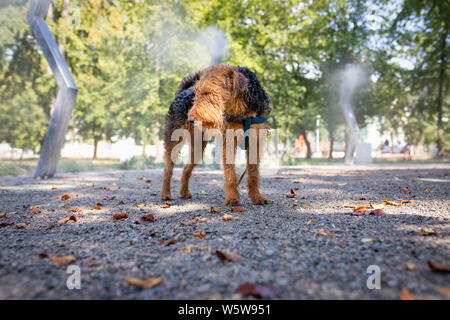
[(187, 171), (168, 170), (253, 179), (231, 190)]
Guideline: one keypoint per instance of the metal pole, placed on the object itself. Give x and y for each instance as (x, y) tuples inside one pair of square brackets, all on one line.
[(65, 100)]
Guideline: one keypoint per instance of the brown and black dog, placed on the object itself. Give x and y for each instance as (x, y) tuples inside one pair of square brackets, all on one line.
[(221, 97)]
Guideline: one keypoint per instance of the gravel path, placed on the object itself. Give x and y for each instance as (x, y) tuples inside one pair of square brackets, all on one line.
[(281, 244)]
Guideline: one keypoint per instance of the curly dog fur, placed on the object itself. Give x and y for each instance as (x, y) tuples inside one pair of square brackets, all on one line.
[(221, 97)]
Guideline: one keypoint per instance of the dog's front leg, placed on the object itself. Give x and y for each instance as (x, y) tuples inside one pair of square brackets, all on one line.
[(253, 160), (231, 190)]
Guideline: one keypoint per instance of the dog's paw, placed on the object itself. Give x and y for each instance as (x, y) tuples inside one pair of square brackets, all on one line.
[(259, 199), (185, 194), (232, 201), (165, 196)]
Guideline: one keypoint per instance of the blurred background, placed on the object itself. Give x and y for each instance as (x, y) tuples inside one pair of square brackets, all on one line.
[(382, 62)]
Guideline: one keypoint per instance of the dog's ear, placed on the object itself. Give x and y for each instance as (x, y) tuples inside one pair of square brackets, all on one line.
[(239, 82)]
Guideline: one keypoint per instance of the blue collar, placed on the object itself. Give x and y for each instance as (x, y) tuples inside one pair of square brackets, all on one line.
[(247, 123)]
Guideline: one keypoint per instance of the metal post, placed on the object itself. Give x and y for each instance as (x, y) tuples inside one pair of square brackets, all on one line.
[(65, 100)]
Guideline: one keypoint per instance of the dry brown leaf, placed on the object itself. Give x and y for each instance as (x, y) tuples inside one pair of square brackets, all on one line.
[(190, 222), (140, 205), (407, 201), (144, 283), (406, 190), (392, 203), (165, 205), (428, 232), (65, 220), (234, 256), (348, 205), (20, 225), (320, 232), (140, 178), (237, 209), (3, 215), (35, 209), (120, 215), (366, 240), (213, 210), (91, 262), (258, 291), (75, 210), (299, 180), (312, 221), (292, 193), (54, 187), (377, 206), (199, 234), (96, 208), (170, 242), (361, 209), (445, 291), (147, 218), (202, 219), (377, 212), (406, 295), (410, 266), (62, 260), (227, 217), (65, 197), (148, 181), (438, 267)]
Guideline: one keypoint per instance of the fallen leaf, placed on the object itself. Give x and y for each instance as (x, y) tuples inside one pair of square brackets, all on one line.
[(361, 209), (62, 260), (410, 266), (140, 178), (199, 234), (228, 256), (237, 209), (96, 208), (299, 180), (343, 184), (65, 197), (227, 217), (43, 255), (406, 295), (445, 291), (366, 240), (392, 203), (257, 291), (147, 218), (165, 205), (3, 215), (54, 187), (407, 201), (202, 219), (148, 181), (75, 210), (65, 220), (187, 249), (428, 232), (140, 205), (121, 202), (214, 210), (406, 190), (144, 283), (320, 232), (35, 209), (20, 225), (120, 215), (377, 206), (292, 193), (170, 242), (91, 262), (438, 267), (377, 212), (312, 221), (348, 205), (190, 222)]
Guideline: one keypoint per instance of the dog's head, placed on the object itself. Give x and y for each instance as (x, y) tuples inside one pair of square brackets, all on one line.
[(219, 90)]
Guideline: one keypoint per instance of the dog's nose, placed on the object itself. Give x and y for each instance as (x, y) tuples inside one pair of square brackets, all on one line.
[(191, 120)]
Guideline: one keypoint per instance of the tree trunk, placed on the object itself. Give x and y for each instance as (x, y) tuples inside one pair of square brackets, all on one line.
[(330, 155), (96, 141), (440, 128)]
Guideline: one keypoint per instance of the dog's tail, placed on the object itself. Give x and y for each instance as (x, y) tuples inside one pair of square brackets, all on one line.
[(188, 82)]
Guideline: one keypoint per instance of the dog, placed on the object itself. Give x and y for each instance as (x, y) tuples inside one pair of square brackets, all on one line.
[(221, 97)]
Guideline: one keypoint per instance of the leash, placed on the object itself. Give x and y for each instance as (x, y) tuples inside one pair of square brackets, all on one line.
[(247, 123)]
